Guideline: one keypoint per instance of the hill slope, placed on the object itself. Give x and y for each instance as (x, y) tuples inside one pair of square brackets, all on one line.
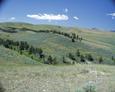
[(97, 43), (20, 72)]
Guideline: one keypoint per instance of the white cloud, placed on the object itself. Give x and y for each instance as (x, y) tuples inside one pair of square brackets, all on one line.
[(76, 18), (12, 18), (48, 17), (112, 14), (66, 10)]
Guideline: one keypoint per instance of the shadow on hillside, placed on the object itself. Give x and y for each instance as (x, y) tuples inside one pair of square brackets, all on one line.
[(2, 89)]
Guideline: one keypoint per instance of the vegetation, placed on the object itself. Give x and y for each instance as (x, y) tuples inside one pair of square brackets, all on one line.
[(23, 47), (60, 78), (90, 88), (32, 52), (58, 41), (23, 44), (100, 59), (89, 57)]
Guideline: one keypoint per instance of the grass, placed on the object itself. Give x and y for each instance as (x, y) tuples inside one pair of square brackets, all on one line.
[(48, 78), (18, 74), (98, 43), (12, 57)]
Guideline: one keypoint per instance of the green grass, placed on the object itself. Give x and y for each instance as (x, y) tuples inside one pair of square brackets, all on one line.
[(8, 56)]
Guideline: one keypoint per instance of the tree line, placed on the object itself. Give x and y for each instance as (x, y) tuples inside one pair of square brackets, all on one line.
[(23, 47), (79, 57), (73, 36), (38, 54)]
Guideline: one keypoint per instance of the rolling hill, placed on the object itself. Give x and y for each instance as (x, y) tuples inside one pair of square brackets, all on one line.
[(97, 43), (22, 69)]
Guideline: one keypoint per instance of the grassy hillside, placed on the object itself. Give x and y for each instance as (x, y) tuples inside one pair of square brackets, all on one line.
[(22, 72), (8, 56), (98, 43)]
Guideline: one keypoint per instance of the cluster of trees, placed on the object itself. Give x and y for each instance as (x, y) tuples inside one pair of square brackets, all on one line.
[(23, 46), (78, 57), (8, 30), (72, 36), (51, 60)]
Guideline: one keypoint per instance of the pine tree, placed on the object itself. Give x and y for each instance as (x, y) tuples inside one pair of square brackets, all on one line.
[(64, 61), (55, 61), (82, 58), (89, 57), (100, 59), (71, 56), (73, 37), (78, 53), (50, 60)]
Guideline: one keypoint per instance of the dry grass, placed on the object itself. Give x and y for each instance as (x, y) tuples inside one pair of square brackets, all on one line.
[(46, 78)]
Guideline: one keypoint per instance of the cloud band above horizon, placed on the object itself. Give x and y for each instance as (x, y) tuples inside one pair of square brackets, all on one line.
[(48, 17)]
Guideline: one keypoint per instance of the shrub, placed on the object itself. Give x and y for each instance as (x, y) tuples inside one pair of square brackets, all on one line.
[(90, 88)]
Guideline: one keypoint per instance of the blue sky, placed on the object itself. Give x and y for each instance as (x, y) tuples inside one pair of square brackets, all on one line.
[(81, 13)]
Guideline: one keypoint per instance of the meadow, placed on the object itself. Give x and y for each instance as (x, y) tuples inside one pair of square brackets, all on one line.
[(20, 73)]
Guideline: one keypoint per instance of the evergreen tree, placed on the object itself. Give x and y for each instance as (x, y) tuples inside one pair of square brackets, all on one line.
[(73, 37), (73, 40), (112, 58), (55, 61), (77, 37), (100, 59), (64, 61), (82, 58), (89, 57), (78, 53), (71, 56), (50, 60), (31, 50)]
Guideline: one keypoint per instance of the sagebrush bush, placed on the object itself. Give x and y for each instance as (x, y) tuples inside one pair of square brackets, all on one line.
[(90, 87)]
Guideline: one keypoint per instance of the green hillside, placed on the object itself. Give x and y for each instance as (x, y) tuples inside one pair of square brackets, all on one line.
[(97, 43), (51, 58)]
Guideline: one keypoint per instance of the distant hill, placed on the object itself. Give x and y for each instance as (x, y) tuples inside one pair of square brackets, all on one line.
[(96, 43), (112, 30)]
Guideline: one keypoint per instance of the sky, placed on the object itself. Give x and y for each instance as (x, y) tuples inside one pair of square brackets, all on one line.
[(77, 13)]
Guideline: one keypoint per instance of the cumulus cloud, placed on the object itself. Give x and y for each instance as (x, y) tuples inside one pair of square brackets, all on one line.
[(66, 10), (48, 17), (12, 18), (76, 18), (112, 14)]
